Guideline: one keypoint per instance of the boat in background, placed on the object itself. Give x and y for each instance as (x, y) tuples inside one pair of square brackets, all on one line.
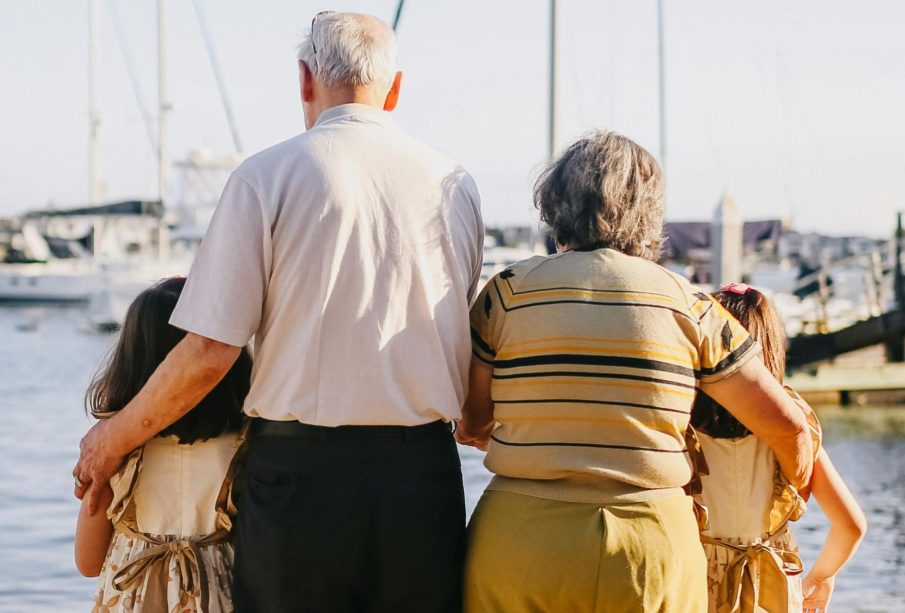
[(36, 269), (58, 281), (199, 179), (67, 255), (121, 284)]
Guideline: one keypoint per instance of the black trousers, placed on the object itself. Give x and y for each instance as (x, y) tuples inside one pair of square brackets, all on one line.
[(349, 519)]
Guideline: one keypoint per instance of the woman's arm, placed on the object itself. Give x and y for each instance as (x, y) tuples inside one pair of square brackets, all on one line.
[(477, 415), (92, 536), (758, 400), (847, 528)]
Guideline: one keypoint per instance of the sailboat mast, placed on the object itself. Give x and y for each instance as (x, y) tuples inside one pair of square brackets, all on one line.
[(94, 121), (163, 156), (218, 75), (661, 66), (398, 15), (553, 120)]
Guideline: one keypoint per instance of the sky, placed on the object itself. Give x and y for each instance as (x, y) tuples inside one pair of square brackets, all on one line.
[(795, 109)]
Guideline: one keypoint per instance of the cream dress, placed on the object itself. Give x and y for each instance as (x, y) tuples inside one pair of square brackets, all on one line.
[(752, 556), (171, 513)]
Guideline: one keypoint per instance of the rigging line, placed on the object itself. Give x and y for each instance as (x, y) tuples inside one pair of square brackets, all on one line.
[(218, 75), (786, 143), (132, 70), (704, 102), (785, 78), (398, 14)]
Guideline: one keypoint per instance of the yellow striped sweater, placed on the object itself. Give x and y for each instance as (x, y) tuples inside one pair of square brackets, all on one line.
[(596, 360)]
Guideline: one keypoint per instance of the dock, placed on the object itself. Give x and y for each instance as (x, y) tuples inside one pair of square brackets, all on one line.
[(848, 385), (861, 363)]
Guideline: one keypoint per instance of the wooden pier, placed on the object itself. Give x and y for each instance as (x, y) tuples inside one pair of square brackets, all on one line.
[(819, 374)]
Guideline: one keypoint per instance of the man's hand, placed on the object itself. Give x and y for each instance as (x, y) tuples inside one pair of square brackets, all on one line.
[(98, 462), (182, 380)]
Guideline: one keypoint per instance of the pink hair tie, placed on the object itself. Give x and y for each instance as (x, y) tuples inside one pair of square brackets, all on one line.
[(736, 288)]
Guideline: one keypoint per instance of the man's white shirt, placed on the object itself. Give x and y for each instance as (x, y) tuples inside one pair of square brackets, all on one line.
[(351, 254)]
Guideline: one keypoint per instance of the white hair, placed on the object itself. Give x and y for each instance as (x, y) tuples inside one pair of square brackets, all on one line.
[(350, 49)]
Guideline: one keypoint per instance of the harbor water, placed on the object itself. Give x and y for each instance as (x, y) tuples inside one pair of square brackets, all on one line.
[(47, 356)]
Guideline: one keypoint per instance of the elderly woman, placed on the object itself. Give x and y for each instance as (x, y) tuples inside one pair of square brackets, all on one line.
[(585, 368)]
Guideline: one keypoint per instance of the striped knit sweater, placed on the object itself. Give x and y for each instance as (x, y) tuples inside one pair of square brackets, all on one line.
[(596, 358)]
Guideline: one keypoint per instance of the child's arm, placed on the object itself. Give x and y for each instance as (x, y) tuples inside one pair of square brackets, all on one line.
[(92, 536), (847, 527)]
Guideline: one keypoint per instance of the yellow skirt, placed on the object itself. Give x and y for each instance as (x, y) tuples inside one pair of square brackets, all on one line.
[(528, 554)]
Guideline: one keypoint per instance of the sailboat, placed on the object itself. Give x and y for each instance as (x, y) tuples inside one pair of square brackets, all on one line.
[(62, 255), (104, 253)]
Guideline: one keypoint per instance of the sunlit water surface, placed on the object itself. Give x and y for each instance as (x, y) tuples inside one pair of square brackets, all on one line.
[(46, 360)]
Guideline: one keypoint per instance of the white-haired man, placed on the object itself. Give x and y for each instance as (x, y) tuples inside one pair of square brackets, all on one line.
[(350, 253)]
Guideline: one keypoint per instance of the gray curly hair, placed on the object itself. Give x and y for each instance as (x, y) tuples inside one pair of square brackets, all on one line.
[(604, 190)]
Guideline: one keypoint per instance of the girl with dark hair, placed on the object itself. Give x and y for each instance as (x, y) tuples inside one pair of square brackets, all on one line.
[(752, 557), (164, 539)]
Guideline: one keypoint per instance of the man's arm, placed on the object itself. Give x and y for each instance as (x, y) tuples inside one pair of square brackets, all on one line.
[(758, 400), (190, 371), (477, 421)]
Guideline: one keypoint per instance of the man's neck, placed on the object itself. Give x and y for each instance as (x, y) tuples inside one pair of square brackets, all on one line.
[(361, 95), (336, 96)]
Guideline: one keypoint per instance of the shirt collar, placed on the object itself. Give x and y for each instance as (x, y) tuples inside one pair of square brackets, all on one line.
[(362, 111)]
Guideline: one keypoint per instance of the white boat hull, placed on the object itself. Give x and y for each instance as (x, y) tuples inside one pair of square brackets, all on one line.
[(122, 283), (63, 282)]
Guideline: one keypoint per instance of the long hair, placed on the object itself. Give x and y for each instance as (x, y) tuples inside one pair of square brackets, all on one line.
[(755, 313), (604, 190), (144, 342)]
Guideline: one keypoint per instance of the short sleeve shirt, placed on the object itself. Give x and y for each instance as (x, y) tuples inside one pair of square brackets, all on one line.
[(596, 359), (351, 253)]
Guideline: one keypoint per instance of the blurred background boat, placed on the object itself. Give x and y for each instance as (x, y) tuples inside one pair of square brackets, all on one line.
[(105, 253)]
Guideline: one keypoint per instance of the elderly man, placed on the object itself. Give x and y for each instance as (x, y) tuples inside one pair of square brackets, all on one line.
[(350, 253)]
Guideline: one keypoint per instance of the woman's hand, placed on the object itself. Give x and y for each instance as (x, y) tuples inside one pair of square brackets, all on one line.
[(477, 415), (757, 400), (817, 594), (467, 434)]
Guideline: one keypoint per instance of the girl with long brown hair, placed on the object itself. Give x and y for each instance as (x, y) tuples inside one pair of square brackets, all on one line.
[(163, 543), (752, 557)]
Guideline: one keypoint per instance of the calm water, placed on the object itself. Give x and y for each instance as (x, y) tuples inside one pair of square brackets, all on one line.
[(43, 373)]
